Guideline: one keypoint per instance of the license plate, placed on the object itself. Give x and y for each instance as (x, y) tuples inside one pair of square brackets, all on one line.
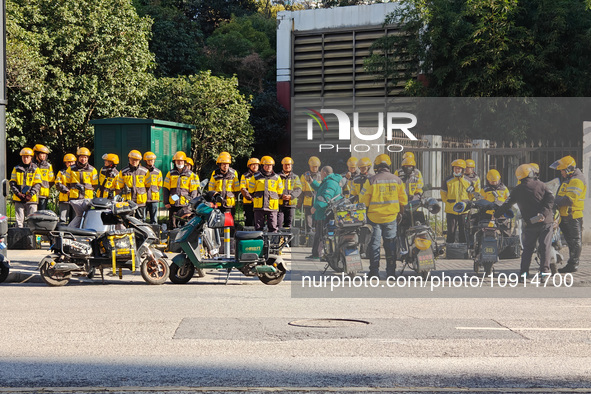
[(353, 260), (425, 260)]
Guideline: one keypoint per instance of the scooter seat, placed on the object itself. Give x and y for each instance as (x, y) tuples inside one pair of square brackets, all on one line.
[(75, 231), (243, 235)]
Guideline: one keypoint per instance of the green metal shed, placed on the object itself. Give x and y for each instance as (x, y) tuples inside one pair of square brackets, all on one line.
[(121, 135)]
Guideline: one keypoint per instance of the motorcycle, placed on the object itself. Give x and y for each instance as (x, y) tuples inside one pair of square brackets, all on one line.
[(418, 242), (486, 232), (256, 253), (4, 263), (341, 235), (118, 241)]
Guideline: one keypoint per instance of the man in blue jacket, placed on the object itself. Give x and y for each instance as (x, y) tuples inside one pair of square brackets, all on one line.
[(325, 191)]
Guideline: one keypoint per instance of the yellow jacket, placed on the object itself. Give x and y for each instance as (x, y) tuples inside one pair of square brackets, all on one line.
[(107, 182), (413, 182), (131, 183), (383, 194), (179, 184), (502, 194), (227, 184), (154, 184), (244, 179), (571, 195), (453, 190), (85, 176), (266, 189), (47, 178), (61, 184), (308, 193), (292, 187), (25, 180)]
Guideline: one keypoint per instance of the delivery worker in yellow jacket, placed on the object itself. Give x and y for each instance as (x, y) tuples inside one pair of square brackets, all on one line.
[(61, 184), (177, 189), (47, 174), (292, 190), (349, 176), (266, 189), (411, 176), (131, 182), (226, 181), (108, 176), (153, 185), (570, 201), (385, 196), (470, 175), (455, 189), (308, 194), (83, 181), (494, 191), (364, 166), (253, 169), (25, 183)]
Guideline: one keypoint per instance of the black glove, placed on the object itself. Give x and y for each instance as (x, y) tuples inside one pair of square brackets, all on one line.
[(79, 187)]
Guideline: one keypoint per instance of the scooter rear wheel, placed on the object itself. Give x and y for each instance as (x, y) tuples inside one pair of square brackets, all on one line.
[(181, 275), (155, 272), (270, 278), (51, 276)]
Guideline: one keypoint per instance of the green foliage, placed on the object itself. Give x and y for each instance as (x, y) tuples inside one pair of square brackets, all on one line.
[(495, 48), (214, 105), (69, 62), (177, 42), (269, 120), (210, 14)]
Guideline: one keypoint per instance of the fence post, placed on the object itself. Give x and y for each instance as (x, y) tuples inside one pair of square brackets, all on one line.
[(432, 165), (481, 158), (585, 166)]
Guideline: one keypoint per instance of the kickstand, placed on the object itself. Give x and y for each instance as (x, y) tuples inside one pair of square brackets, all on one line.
[(228, 275), (325, 268), (102, 275)]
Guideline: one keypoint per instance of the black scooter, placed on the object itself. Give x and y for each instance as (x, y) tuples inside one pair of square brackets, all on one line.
[(80, 251)]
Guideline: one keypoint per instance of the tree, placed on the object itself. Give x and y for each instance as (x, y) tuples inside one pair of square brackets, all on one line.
[(177, 42), (210, 14), (69, 62), (269, 120), (213, 104)]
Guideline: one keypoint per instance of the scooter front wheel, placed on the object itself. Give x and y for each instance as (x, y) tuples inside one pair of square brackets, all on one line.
[(181, 275), (155, 272), (273, 278), (50, 275)]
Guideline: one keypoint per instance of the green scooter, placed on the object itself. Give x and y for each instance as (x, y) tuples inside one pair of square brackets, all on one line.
[(256, 253)]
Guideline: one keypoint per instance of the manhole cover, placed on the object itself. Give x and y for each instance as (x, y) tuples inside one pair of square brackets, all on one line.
[(328, 323)]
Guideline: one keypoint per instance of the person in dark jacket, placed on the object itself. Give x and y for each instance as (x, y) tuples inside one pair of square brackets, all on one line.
[(535, 202), (325, 191)]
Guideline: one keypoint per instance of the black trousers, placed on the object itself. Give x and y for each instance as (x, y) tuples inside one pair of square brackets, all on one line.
[(455, 222), (285, 216), (572, 230), (248, 215), (152, 212), (269, 217), (318, 230), (542, 235)]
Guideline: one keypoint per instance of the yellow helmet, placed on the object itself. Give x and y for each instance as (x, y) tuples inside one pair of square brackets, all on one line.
[(493, 176), (524, 171), (179, 156), (408, 155), (111, 157), (149, 156), (69, 157), (287, 160), (26, 152), (135, 154), (382, 159), (409, 161), (459, 163), (536, 167), (267, 160), (352, 162), (40, 148), (564, 164), (470, 163), (82, 152), (364, 162), (224, 158), (314, 161), (190, 161), (253, 160)]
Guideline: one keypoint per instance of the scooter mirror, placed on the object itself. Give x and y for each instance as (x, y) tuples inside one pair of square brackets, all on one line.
[(204, 183), (433, 206), (459, 207)]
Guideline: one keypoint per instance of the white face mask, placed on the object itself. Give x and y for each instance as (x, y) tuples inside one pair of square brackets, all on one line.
[(458, 173), (180, 166)]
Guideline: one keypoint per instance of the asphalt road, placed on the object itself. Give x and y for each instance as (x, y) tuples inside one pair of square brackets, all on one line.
[(126, 336)]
